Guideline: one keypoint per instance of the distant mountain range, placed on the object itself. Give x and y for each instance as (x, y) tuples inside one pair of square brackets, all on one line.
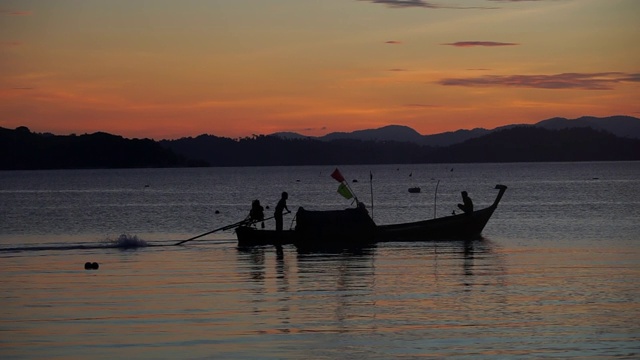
[(622, 126), (21, 149), (584, 139)]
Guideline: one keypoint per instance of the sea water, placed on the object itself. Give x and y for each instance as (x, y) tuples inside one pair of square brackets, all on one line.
[(556, 275)]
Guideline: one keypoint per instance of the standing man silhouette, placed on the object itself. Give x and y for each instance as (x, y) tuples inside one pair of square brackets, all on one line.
[(282, 205)]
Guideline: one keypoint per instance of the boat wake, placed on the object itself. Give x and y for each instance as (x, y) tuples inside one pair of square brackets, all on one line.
[(124, 241)]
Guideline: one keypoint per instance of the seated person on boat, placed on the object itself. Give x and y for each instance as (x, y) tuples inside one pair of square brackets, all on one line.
[(467, 205), (256, 214)]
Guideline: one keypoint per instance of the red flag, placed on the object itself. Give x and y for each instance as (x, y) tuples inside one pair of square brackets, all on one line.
[(336, 175)]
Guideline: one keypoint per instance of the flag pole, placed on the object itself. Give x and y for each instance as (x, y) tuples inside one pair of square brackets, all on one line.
[(435, 199), (371, 185), (355, 197)]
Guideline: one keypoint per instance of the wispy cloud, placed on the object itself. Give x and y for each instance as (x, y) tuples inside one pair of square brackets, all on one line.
[(405, 3), (582, 81), (421, 4), (15, 13), (429, 106), (479, 43), (393, 42), (632, 77), (10, 43), (519, 0)]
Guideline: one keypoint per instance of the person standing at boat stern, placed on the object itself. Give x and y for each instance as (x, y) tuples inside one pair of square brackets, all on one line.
[(282, 205), (467, 205)]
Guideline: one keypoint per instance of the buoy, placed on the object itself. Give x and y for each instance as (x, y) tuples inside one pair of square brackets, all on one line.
[(91, 266), (217, 212), (87, 266), (95, 266)]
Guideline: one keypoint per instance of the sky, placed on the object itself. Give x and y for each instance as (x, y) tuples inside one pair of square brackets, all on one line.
[(166, 69)]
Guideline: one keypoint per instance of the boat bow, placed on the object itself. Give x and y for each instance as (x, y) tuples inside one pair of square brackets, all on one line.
[(461, 226)]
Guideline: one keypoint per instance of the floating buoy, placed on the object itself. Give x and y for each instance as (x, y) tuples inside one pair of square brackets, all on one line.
[(91, 266), (87, 266), (217, 212)]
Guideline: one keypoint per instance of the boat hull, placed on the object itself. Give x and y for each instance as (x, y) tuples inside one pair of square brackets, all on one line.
[(250, 236), (353, 227), (456, 227)]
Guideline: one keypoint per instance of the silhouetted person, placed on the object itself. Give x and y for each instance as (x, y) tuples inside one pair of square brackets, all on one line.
[(257, 212), (467, 205), (282, 205)]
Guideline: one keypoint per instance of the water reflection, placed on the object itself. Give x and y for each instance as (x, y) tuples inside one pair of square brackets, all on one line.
[(364, 289), (305, 292), (473, 258)]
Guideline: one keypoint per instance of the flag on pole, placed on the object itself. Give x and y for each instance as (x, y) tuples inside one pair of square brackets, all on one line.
[(344, 191), (337, 175)]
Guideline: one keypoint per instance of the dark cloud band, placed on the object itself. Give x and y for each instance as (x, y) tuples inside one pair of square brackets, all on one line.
[(479, 43), (420, 4), (583, 81)]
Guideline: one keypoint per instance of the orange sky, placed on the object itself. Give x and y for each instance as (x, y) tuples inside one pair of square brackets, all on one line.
[(166, 69)]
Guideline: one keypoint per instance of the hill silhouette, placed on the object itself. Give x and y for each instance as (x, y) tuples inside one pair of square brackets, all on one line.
[(517, 144), (535, 144), (623, 126), (23, 149)]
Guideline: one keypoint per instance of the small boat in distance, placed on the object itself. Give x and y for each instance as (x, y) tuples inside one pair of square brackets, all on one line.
[(354, 227), (414, 190)]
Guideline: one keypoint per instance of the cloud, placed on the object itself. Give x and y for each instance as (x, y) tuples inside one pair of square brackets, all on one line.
[(393, 42), (479, 43), (314, 129), (405, 3), (422, 106), (10, 43), (582, 81), (15, 13), (419, 4), (398, 70), (632, 78)]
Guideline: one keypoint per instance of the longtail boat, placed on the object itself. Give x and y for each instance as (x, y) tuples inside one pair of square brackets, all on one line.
[(354, 227)]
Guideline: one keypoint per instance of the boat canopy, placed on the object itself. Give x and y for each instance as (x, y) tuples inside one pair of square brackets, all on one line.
[(353, 223)]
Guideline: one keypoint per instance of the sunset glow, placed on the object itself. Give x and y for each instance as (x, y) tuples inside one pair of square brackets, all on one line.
[(168, 69)]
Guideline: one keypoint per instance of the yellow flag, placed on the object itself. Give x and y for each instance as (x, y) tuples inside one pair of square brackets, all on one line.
[(344, 191)]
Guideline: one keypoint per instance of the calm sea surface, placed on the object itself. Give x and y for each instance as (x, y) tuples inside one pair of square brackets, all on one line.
[(557, 275)]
